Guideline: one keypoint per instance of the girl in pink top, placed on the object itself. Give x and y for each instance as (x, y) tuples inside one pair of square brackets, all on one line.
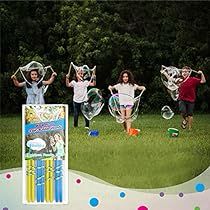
[(126, 88)]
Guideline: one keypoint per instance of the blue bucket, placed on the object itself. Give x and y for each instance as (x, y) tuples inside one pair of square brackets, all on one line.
[(93, 133)]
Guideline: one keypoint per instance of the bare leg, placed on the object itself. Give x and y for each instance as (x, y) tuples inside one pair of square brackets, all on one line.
[(128, 120), (123, 117), (190, 121)]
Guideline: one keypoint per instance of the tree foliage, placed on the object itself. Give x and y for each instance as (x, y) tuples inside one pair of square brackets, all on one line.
[(113, 35)]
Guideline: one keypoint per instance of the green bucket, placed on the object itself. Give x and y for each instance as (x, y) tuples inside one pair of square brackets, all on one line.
[(173, 132)]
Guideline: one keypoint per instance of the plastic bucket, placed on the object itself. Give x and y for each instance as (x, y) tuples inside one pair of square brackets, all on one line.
[(93, 133), (134, 132), (173, 132)]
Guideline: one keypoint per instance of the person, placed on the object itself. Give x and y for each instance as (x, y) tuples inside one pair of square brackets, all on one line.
[(80, 93), (126, 88), (59, 145), (187, 95), (52, 143), (34, 87)]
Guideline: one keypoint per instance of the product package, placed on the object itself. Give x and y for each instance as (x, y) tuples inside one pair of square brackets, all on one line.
[(45, 154)]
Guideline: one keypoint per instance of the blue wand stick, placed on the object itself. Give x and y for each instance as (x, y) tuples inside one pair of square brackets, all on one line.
[(58, 181)]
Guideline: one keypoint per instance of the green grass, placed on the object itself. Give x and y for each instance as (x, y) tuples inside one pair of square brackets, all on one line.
[(150, 160)]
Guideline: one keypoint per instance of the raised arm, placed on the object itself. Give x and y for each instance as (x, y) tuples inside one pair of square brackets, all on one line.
[(16, 82), (203, 79), (93, 79), (68, 83), (50, 81)]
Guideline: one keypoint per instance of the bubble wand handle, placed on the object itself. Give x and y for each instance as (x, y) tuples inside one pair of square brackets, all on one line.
[(195, 71), (15, 73), (69, 71)]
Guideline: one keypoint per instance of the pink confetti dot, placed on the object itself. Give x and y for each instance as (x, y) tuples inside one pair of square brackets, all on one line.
[(78, 181), (8, 176), (142, 208)]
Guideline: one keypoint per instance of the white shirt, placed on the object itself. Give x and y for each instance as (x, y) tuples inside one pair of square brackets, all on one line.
[(80, 90), (126, 93)]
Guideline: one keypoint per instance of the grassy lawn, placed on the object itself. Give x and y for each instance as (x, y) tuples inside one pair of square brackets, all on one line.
[(150, 160)]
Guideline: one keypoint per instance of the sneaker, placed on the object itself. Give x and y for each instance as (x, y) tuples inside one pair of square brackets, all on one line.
[(184, 124), (87, 128)]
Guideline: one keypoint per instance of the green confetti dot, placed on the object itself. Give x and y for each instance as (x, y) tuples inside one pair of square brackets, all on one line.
[(196, 208)]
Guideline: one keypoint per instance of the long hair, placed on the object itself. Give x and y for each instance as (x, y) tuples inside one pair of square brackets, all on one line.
[(28, 76), (130, 77)]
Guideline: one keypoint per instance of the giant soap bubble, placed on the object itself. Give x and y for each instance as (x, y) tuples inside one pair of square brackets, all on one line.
[(115, 107), (167, 113), (93, 105)]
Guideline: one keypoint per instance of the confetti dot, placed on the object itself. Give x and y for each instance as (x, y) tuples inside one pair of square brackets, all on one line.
[(196, 208), (94, 202), (200, 187), (181, 194), (78, 181), (162, 194), (8, 176), (142, 208), (5, 208), (122, 194)]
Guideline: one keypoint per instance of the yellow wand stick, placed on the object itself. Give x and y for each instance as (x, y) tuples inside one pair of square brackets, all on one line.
[(32, 181), (51, 180), (28, 181), (47, 180)]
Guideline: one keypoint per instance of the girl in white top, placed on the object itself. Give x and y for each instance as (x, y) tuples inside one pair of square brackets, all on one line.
[(80, 93), (126, 88), (34, 90)]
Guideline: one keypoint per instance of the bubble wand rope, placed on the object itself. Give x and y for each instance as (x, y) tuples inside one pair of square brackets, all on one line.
[(16, 72), (115, 102)]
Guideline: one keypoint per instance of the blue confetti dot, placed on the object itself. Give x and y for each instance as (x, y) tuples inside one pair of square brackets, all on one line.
[(122, 194), (200, 187), (94, 202)]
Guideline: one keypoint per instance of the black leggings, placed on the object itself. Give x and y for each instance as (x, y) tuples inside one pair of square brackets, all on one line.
[(77, 109)]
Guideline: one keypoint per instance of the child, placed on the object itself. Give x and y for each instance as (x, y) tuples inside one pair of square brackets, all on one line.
[(34, 90), (59, 145), (52, 143), (187, 95), (126, 86), (80, 93)]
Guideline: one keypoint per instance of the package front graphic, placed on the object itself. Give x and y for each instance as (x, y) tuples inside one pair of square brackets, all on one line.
[(45, 154)]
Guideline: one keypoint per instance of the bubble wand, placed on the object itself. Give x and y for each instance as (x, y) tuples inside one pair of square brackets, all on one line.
[(51, 180), (39, 180), (58, 180), (30, 181)]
